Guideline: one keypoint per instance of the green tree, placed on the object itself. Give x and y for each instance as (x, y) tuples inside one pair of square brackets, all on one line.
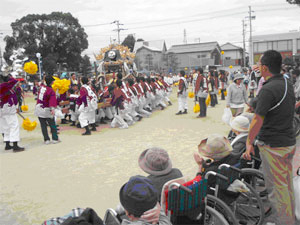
[(57, 36), (85, 66), (129, 41), (296, 2)]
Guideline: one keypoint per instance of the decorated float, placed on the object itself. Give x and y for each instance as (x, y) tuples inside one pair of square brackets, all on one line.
[(115, 59)]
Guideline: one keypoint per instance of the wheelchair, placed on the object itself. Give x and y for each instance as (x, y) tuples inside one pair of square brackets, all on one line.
[(189, 204), (246, 204)]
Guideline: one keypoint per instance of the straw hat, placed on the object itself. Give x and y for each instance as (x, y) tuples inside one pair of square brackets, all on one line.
[(240, 123), (215, 147)]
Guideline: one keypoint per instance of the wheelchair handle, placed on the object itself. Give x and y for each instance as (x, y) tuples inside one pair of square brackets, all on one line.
[(255, 158), (236, 169), (186, 189), (222, 177), (215, 174), (180, 187)]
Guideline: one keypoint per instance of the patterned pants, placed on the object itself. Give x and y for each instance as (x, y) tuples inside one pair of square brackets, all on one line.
[(278, 172)]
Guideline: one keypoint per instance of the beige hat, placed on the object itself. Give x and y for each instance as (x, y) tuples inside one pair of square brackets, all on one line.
[(240, 123), (155, 161), (215, 147)]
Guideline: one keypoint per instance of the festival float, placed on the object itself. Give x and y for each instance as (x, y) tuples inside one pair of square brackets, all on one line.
[(116, 59)]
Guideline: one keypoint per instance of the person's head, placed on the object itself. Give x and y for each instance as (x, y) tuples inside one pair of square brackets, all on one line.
[(84, 80), (270, 63), (182, 73), (119, 76), (73, 76), (155, 161), (296, 73), (152, 80), (200, 70), (138, 79), (214, 148), (71, 91), (238, 78), (130, 82), (137, 196), (240, 124), (75, 87), (49, 80), (119, 83), (142, 79)]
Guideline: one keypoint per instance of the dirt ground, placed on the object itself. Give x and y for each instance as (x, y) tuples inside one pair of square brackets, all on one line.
[(87, 171)]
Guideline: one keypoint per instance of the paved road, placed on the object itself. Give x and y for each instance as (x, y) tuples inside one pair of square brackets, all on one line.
[(48, 181)]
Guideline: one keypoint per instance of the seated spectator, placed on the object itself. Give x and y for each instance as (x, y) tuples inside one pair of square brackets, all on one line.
[(156, 162), (212, 152), (138, 196), (240, 126)]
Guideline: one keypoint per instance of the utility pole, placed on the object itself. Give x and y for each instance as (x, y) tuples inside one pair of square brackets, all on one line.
[(250, 43), (244, 44), (117, 22), (184, 37), (1, 62)]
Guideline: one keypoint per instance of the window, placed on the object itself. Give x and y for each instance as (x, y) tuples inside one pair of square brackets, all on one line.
[(275, 45), (255, 45), (227, 58), (201, 56), (270, 46), (262, 46), (290, 45), (282, 45)]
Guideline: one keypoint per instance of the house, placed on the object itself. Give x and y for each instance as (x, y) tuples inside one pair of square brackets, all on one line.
[(150, 55), (191, 56), (233, 55), (288, 44)]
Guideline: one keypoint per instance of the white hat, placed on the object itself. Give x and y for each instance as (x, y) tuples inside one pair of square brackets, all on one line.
[(240, 123), (238, 76)]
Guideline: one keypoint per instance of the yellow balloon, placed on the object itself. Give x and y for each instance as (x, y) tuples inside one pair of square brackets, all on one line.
[(24, 108)]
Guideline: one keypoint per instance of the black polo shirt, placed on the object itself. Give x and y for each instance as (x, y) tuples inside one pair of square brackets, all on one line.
[(277, 129)]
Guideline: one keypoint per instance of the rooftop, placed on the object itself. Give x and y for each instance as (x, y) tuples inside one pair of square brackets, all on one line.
[(276, 37), (196, 47)]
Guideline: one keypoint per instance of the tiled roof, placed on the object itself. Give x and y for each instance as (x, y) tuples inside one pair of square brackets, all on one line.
[(229, 46), (158, 45), (197, 47)]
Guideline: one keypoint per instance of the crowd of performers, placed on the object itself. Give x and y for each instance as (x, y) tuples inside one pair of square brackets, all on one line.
[(122, 101)]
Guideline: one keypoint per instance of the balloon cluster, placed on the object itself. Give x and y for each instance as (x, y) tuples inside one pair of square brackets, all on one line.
[(28, 125), (30, 67), (61, 85), (24, 108)]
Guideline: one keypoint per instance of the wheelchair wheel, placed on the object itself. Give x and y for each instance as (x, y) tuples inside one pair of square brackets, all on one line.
[(248, 207), (222, 208), (213, 217), (256, 179)]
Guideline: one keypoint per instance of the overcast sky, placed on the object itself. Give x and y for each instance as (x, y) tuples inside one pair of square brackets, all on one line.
[(209, 20)]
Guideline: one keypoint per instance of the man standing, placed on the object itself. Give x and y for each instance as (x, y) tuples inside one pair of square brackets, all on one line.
[(45, 110), (201, 92), (182, 94), (8, 114), (273, 126), (87, 105)]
